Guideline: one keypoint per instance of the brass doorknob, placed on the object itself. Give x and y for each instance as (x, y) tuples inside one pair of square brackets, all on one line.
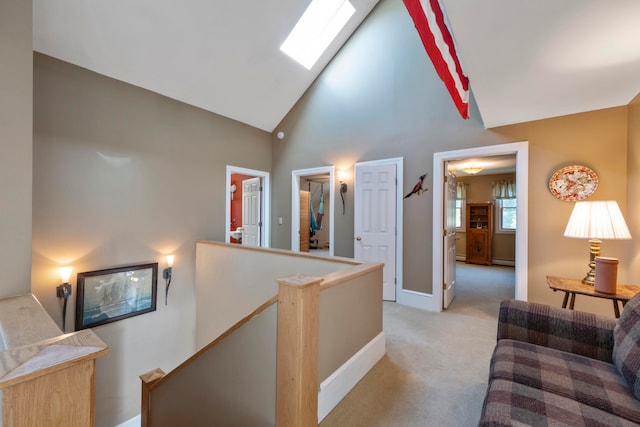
[(358, 238)]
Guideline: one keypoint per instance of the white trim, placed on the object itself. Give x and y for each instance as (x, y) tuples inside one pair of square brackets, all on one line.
[(133, 422), (399, 162), (337, 385), (415, 299), (295, 203), (521, 150), (495, 261), (335, 388), (265, 230)]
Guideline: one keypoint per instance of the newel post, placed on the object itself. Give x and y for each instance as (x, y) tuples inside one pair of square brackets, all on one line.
[(297, 353), (148, 381)]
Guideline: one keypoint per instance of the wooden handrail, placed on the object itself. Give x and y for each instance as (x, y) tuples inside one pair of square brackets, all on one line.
[(154, 378), (341, 276), (285, 252), (297, 360)]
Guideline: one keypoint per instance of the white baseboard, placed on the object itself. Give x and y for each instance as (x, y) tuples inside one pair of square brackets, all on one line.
[(133, 422), (417, 300), (335, 388), (507, 262)]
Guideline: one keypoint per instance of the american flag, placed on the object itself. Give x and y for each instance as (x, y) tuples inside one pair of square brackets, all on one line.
[(428, 17)]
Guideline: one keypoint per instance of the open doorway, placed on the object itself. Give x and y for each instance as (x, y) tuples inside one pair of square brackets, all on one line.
[(247, 208), (444, 160), (483, 256), (312, 208)]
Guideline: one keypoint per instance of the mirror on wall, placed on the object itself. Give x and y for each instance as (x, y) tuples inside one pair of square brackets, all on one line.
[(247, 207)]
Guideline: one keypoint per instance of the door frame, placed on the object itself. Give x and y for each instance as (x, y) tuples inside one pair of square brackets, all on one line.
[(265, 211), (295, 203), (403, 296), (521, 150)]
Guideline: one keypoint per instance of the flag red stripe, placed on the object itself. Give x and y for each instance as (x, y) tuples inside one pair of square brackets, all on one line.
[(453, 83), (448, 38)]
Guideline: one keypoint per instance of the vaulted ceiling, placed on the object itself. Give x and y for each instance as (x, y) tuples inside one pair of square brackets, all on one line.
[(526, 60)]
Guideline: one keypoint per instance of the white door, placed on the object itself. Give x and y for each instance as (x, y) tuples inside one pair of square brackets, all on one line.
[(251, 192), (449, 259), (375, 220)]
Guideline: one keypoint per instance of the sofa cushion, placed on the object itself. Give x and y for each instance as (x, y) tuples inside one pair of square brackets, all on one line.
[(588, 381), (577, 332), (626, 345), (508, 403)]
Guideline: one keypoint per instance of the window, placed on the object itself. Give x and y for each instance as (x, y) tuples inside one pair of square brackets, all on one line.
[(507, 218), (316, 29), (461, 196), (459, 214)]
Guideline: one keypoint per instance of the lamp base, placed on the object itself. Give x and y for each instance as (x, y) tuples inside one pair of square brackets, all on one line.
[(590, 278), (594, 251)]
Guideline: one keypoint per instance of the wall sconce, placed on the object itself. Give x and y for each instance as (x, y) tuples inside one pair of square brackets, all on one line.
[(232, 190), (63, 291), (343, 186), (166, 275)]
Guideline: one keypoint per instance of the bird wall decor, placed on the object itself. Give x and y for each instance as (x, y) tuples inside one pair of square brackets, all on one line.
[(417, 189)]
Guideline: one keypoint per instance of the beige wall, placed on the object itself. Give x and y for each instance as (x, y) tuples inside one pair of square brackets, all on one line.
[(16, 106), (596, 139), (219, 306), (235, 380), (480, 190), (633, 191), (124, 176), (350, 318)]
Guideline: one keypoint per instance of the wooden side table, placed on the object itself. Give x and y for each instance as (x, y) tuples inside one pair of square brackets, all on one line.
[(571, 287)]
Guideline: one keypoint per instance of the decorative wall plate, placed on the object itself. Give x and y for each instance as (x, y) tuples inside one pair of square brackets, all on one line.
[(573, 183)]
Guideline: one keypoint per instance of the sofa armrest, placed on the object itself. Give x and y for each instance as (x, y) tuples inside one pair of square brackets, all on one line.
[(577, 332)]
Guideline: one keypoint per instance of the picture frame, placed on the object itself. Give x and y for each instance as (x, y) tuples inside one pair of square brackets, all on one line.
[(112, 294)]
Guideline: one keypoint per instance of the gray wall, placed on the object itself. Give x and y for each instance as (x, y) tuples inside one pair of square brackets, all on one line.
[(379, 98), (124, 176), (16, 106)]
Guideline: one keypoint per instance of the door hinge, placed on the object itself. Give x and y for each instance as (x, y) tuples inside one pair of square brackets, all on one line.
[(261, 188), (395, 280), (260, 224), (444, 286)]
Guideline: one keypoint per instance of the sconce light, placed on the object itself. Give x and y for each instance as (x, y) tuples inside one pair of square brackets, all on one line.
[(166, 275), (232, 190), (343, 187), (63, 291)]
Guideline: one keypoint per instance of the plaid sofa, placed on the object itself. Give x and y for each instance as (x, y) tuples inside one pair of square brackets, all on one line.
[(558, 367)]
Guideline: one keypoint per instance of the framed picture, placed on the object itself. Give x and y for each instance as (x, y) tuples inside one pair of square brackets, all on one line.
[(112, 294)]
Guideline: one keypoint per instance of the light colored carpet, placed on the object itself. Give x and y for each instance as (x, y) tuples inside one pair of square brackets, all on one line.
[(436, 367)]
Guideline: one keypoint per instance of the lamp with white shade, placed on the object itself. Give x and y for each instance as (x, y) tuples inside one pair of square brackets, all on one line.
[(596, 221)]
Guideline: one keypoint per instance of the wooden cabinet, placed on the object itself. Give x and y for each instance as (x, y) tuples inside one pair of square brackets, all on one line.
[(479, 233)]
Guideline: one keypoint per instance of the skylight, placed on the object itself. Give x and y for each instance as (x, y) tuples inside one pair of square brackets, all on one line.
[(318, 26)]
